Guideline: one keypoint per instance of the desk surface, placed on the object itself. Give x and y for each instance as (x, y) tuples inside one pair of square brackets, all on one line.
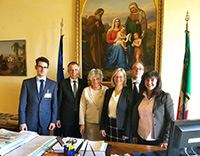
[(123, 148)]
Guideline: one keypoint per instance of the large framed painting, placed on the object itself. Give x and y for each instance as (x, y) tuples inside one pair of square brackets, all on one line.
[(112, 34), (13, 58)]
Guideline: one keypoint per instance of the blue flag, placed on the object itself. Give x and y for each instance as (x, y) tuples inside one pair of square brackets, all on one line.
[(60, 73)]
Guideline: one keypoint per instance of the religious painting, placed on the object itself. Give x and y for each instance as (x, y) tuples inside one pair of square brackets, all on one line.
[(116, 34), (13, 58)]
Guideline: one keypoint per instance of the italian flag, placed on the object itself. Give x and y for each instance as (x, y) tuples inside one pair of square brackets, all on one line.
[(185, 91)]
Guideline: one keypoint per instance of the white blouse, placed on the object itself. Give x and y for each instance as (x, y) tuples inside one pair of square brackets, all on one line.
[(112, 106)]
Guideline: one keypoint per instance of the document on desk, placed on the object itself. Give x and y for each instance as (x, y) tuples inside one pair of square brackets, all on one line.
[(11, 140), (35, 147), (91, 148)]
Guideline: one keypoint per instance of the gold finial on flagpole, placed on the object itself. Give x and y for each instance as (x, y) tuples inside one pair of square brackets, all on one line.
[(187, 18), (61, 27)]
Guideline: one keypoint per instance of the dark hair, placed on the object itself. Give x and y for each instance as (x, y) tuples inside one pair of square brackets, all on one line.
[(72, 63), (98, 11), (42, 59), (157, 90)]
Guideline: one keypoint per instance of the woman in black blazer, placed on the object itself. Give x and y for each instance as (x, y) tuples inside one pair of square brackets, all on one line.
[(153, 112), (115, 117)]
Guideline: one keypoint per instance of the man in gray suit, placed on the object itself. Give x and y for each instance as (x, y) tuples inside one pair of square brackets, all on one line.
[(38, 101)]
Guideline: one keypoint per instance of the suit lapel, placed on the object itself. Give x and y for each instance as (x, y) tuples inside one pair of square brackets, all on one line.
[(68, 84), (34, 85)]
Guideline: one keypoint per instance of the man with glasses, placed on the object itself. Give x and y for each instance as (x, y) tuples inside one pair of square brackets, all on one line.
[(137, 71), (38, 101), (69, 94)]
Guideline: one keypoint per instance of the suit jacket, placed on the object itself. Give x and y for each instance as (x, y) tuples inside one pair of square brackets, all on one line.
[(129, 84), (163, 113), (123, 111), (35, 111), (135, 97), (90, 106), (68, 105)]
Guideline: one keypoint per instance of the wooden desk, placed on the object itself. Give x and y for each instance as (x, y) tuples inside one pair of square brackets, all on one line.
[(123, 148)]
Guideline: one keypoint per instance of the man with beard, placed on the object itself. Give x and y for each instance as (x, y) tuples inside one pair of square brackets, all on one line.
[(94, 47)]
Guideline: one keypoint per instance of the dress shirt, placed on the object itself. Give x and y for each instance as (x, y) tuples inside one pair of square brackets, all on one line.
[(38, 82), (137, 84), (72, 84), (145, 126), (112, 106)]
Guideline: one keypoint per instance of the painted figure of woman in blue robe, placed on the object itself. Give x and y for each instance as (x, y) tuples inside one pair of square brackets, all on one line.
[(116, 55)]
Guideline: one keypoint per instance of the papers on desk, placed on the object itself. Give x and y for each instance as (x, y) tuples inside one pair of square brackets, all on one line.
[(91, 148), (57, 148), (10, 140), (36, 147), (33, 144)]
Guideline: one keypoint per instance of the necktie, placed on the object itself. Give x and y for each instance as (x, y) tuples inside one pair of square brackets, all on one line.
[(41, 87), (135, 89), (75, 88), (135, 93)]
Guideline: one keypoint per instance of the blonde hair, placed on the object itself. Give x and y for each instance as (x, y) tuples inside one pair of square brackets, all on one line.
[(115, 73), (113, 24)]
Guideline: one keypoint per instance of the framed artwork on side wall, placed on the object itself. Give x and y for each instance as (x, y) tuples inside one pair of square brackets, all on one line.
[(13, 58), (115, 33)]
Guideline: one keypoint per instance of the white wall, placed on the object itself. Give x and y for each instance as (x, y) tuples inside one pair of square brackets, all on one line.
[(174, 49)]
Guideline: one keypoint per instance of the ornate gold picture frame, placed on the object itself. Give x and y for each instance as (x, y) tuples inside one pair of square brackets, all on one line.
[(159, 4)]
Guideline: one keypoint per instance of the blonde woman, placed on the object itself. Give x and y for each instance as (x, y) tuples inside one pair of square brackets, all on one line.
[(91, 104), (116, 113)]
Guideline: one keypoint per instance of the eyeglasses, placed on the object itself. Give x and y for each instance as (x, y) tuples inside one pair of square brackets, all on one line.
[(135, 68), (120, 77), (41, 67)]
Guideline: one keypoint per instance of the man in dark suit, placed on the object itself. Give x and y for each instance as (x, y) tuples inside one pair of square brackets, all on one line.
[(38, 101), (137, 71), (69, 94)]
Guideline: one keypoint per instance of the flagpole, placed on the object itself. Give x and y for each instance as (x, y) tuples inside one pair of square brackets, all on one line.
[(61, 27), (187, 18)]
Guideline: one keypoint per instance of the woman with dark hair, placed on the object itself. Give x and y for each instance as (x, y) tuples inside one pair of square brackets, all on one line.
[(153, 112)]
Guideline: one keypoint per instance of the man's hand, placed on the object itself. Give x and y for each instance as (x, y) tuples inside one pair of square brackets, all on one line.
[(52, 126), (23, 127), (58, 123)]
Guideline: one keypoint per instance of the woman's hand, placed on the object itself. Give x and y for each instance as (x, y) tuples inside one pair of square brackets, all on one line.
[(82, 129), (135, 140), (103, 133), (124, 137), (164, 145)]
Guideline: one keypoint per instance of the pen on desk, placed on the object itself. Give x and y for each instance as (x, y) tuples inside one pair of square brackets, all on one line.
[(60, 141)]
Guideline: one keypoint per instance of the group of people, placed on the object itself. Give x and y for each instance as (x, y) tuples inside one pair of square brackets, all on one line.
[(125, 43), (134, 110)]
